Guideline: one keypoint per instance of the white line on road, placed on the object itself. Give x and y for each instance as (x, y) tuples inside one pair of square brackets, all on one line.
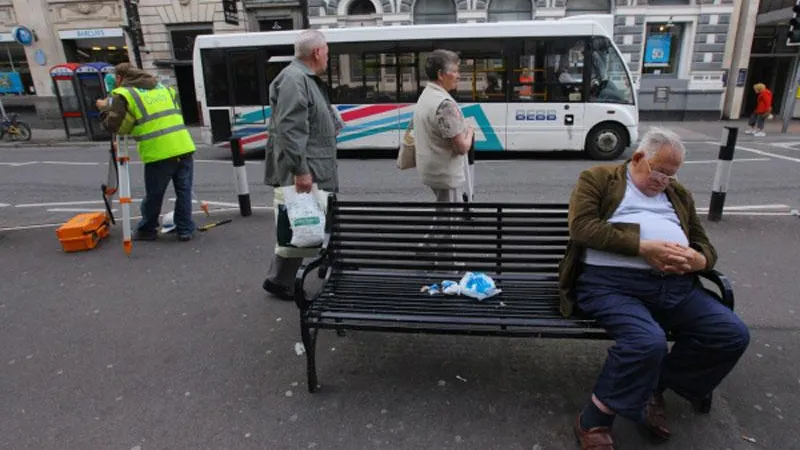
[(18, 164), (4, 205), (79, 210), (53, 225), (70, 163), (39, 205), (57, 204), (763, 153)]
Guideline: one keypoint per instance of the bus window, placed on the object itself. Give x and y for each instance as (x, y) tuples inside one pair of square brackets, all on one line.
[(246, 87), (610, 82), (408, 78), (565, 70), (490, 80), (380, 78), (215, 74), (528, 79)]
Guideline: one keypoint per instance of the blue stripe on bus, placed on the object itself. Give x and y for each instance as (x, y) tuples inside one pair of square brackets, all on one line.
[(349, 129)]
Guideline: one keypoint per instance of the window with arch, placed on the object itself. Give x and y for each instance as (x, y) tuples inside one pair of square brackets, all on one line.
[(434, 11), (361, 8), (506, 10)]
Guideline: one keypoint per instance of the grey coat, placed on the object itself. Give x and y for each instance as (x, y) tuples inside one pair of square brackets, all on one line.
[(302, 130)]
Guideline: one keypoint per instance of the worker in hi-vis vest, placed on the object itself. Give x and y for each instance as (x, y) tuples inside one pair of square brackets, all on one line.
[(149, 113)]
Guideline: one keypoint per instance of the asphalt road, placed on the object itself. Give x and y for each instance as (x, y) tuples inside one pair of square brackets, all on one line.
[(177, 347)]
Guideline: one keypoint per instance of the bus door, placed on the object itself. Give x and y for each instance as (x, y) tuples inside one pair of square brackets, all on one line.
[(547, 103), (248, 120)]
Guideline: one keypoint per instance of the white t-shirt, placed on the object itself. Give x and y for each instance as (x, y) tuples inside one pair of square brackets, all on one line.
[(656, 218)]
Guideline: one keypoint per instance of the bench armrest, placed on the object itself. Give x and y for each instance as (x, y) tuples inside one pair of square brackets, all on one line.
[(721, 281), (300, 278)]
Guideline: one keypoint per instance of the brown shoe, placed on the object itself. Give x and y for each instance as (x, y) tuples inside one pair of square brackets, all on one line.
[(597, 438), (655, 419)]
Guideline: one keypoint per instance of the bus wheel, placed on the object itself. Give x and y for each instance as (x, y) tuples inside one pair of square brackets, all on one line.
[(606, 142)]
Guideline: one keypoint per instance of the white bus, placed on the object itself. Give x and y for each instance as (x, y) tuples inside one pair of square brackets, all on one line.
[(525, 86)]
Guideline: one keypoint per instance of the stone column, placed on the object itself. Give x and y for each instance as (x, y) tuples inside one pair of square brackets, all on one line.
[(33, 14), (737, 54)]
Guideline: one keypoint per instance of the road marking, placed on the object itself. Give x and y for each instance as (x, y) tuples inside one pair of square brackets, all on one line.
[(763, 153), (18, 164), (4, 205), (70, 163), (709, 161), (786, 145), (57, 204), (53, 225), (79, 210)]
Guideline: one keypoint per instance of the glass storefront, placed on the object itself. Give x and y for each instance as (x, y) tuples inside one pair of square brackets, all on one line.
[(94, 45), (15, 74)]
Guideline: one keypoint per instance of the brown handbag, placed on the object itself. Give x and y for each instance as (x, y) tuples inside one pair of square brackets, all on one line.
[(407, 156)]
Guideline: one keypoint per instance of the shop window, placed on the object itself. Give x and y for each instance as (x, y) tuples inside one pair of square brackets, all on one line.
[(183, 41), (662, 49), (215, 73), (434, 11), (575, 7), (507, 10)]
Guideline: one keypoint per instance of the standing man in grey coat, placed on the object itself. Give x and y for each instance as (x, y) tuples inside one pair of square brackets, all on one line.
[(301, 149)]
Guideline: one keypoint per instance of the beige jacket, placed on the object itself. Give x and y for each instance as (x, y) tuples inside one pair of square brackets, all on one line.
[(438, 165)]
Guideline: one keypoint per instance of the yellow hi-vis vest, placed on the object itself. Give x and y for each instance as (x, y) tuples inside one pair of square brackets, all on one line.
[(158, 127)]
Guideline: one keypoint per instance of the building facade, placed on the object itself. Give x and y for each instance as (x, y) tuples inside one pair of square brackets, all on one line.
[(678, 50)]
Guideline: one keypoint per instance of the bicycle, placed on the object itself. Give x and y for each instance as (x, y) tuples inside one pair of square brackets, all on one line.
[(16, 130)]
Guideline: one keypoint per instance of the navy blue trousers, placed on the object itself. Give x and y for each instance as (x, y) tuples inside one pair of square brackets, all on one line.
[(157, 175), (635, 307)]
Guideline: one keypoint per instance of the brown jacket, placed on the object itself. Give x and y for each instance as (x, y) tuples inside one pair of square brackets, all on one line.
[(114, 112), (596, 196)]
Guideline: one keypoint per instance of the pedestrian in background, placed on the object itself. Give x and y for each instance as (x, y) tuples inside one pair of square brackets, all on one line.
[(150, 113), (301, 149), (442, 136), (762, 111)]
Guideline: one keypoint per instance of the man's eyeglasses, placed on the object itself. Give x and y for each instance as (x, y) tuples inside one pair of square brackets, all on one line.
[(659, 176)]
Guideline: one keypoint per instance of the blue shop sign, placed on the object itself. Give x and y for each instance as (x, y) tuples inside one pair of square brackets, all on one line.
[(10, 83), (657, 50)]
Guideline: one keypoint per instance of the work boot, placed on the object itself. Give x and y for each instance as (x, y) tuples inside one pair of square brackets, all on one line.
[(141, 235)]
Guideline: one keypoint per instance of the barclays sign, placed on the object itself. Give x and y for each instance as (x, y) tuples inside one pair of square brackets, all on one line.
[(91, 33)]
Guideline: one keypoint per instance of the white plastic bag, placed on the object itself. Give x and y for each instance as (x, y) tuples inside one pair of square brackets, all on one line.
[(478, 286), (306, 217)]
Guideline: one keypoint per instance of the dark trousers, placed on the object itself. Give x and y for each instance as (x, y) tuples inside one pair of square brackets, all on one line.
[(757, 120), (157, 176), (635, 307)]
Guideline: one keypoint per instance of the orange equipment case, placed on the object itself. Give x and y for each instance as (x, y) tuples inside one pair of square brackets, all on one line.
[(83, 231)]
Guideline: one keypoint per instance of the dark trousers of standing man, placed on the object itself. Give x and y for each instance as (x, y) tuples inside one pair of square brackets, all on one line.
[(635, 307), (157, 175)]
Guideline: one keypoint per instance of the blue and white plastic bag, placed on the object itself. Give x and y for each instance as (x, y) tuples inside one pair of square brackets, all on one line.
[(478, 286)]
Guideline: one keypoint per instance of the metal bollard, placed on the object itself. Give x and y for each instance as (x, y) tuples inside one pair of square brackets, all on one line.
[(240, 174), (721, 178)]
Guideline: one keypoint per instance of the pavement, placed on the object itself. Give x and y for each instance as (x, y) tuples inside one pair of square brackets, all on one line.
[(177, 347)]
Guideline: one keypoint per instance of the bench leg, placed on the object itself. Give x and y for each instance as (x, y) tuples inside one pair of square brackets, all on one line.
[(703, 405), (310, 343)]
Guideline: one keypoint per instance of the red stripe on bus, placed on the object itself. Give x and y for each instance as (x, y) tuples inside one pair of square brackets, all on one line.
[(355, 114)]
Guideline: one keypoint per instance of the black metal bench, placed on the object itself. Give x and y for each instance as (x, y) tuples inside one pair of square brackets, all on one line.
[(378, 255)]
